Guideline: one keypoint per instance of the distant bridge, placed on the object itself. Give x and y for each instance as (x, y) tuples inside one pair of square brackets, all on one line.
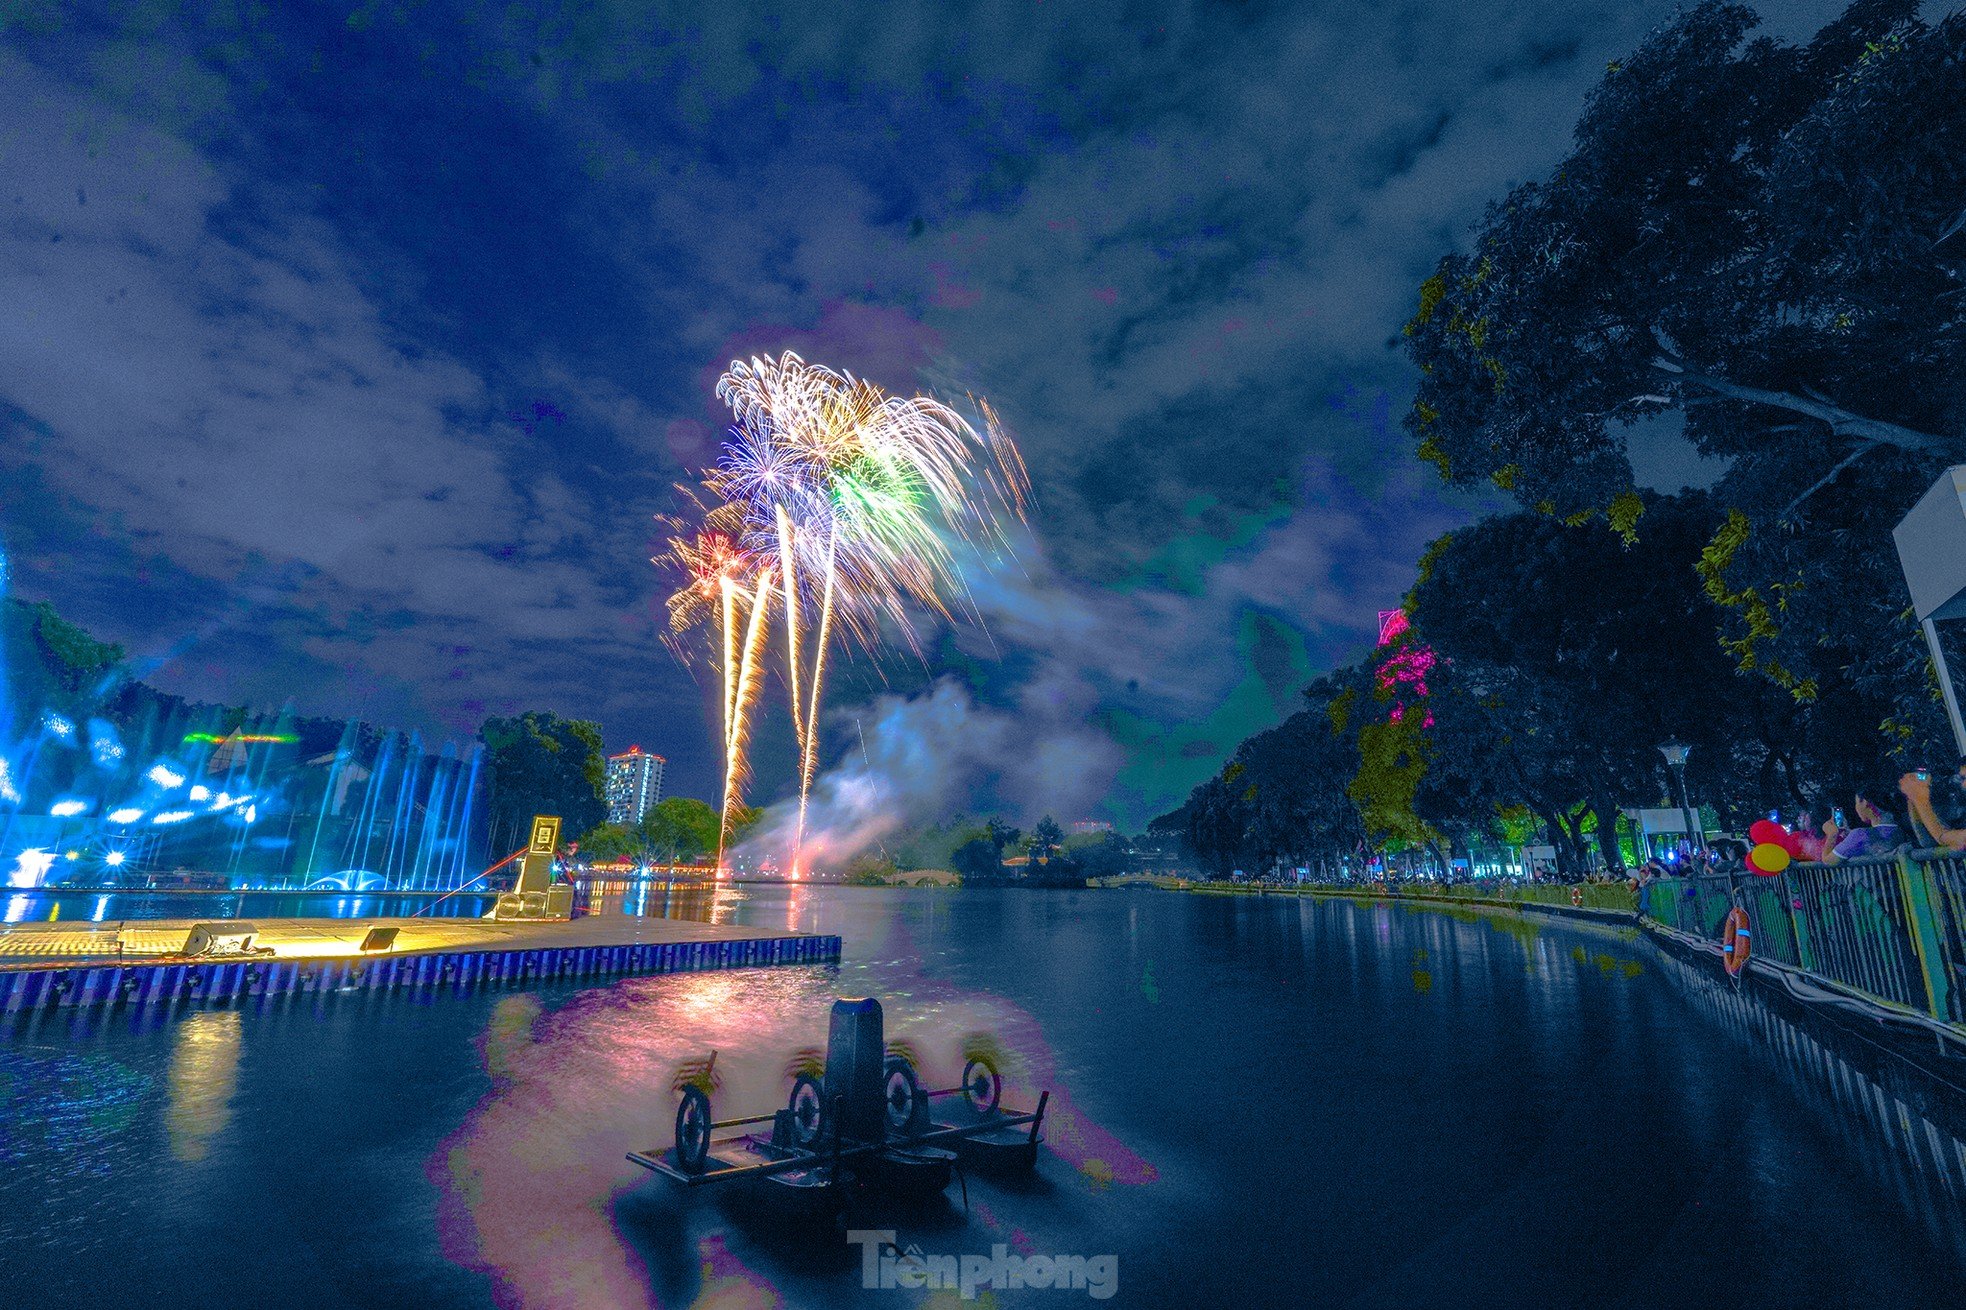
[(923, 878), (1165, 881)]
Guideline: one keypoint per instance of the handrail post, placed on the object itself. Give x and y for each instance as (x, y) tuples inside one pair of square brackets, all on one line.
[(1798, 928), (1914, 883)]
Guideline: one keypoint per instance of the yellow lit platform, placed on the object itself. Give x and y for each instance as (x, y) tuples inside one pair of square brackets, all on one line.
[(144, 961)]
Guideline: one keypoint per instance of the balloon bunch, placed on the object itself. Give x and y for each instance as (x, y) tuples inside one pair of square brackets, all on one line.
[(1774, 847)]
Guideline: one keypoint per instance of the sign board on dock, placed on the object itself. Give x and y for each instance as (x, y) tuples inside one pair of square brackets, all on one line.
[(545, 834)]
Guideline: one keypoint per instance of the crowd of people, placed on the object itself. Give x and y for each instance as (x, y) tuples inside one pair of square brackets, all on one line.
[(1872, 826)]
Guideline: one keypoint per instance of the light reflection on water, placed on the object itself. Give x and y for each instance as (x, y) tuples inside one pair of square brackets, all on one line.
[(700, 902), (579, 1084), (204, 1073), (1283, 1102)]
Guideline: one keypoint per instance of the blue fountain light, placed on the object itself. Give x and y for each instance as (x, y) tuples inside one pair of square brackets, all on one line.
[(31, 868), (105, 745), (382, 810)]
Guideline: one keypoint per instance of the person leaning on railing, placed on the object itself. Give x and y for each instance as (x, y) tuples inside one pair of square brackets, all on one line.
[(1917, 788)]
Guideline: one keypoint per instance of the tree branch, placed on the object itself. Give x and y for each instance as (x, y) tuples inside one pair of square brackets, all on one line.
[(1825, 480), (1841, 421)]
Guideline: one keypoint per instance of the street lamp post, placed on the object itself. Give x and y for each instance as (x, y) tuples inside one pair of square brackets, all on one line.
[(1675, 753)]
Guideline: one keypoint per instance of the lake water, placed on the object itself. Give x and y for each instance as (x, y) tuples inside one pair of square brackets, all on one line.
[(1255, 1101)]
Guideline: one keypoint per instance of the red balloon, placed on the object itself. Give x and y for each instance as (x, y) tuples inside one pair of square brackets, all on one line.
[(1765, 830), (1792, 843)]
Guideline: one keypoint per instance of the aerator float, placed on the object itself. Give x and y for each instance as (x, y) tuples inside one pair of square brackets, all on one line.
[(858, 1119)]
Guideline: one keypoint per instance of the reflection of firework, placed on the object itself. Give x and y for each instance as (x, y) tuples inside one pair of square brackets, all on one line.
[(835, 500)]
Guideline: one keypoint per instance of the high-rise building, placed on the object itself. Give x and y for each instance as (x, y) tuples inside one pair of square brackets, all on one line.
[(634, 785)]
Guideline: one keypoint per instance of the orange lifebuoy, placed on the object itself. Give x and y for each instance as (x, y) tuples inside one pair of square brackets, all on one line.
[(1734, 937), (1577, 897)]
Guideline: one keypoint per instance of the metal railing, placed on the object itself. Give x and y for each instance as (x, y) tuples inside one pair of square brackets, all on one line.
[(1614, 896), (1892, 928)]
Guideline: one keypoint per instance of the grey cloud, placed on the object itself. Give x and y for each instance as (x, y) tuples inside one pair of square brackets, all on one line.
[(1159, 241)]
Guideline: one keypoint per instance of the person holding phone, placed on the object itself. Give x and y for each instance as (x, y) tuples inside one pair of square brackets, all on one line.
[(1917, 789), (1878, 833)]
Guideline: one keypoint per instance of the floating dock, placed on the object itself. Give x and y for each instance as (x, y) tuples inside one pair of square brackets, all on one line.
[(143, 961)]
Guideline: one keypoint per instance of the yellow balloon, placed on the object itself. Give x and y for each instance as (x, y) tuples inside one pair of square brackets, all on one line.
[(1769, 858)]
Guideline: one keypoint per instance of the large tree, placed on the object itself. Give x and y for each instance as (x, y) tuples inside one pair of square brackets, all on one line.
[(680, 829), (978, 860), (1566, 657), (1046, 838), (611, 841), (1766, 242), (1284, 797), (541, 763)]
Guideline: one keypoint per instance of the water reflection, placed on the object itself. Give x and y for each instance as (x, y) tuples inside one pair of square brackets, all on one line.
[(1258, 1098), (204, 1074), (1905, 1126), (578, 1085), (697, 902)]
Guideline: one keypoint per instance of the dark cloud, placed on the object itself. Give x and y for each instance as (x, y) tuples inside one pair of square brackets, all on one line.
[(371, 344)]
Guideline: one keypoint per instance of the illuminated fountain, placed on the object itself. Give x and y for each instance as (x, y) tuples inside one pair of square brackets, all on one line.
[(101, 783)]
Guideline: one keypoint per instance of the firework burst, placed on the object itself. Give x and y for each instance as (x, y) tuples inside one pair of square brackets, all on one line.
[(850, 512)]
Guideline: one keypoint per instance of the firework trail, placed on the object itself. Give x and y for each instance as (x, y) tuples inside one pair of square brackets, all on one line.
[(830, 495), (737, 734), (720, 588)]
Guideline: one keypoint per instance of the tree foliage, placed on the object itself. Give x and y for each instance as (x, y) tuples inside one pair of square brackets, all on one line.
[(978, 860), (1285, 796), (542, 764), (611, 841), (1544, 665), (680, 829), (1747, 232), (1767, 243), (1046, 839), (78, 665)]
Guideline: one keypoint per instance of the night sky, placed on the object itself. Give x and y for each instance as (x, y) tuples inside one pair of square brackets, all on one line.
[(347, 353)]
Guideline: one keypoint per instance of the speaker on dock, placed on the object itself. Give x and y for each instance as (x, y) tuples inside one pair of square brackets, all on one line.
[(220, 939), (380, 939)]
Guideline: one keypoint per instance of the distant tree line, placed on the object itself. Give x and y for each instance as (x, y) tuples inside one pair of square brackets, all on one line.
[(677, 830), (1764, 246), (992, 852)]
